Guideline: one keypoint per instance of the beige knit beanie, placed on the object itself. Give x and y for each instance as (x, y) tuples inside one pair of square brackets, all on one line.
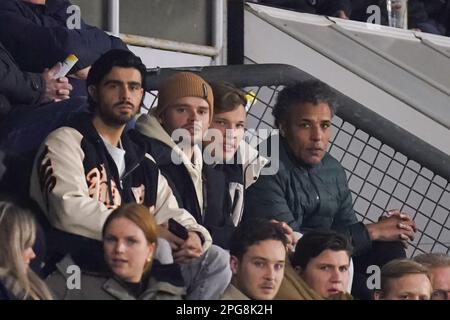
[(180, 85)]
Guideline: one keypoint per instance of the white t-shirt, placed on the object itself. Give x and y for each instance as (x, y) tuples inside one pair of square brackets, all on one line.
[(118, 155)]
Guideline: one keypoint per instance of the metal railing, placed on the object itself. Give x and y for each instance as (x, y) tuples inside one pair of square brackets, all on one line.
[(384, 172)]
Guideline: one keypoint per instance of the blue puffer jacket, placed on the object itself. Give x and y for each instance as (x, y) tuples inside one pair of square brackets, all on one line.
[(307, 197)]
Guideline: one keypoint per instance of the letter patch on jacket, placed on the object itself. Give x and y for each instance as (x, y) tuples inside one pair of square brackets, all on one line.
[(97, 181)]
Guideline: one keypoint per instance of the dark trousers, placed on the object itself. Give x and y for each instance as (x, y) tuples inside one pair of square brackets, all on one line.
[(24, 129), (381, 253), (21, 134)]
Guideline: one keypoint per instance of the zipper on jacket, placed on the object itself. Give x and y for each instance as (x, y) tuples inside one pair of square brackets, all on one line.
[(316, 195), (127, 174), (205, 197)]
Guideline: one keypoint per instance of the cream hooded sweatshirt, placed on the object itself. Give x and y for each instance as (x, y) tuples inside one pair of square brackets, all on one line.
[(149, 125)]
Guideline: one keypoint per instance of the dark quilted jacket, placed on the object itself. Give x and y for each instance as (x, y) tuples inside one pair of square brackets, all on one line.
[(307, 197)]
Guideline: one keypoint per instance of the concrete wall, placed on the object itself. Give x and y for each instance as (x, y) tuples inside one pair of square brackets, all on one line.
[(178, 20), (92, 12)]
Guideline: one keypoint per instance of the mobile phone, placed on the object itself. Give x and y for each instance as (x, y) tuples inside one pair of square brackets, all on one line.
[(177, 229)]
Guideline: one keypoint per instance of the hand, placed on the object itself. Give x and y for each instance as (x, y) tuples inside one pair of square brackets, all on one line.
[(288, 232), (174, 241), (81, 74), (402, 216), (190, 249), (55, 89), (341, 14), (406, 225), (396, 226)]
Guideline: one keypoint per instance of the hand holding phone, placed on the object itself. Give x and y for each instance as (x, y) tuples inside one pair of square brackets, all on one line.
[(177, 229)]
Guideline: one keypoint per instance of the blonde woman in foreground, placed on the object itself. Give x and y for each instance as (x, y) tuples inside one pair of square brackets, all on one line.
[(17, 236)]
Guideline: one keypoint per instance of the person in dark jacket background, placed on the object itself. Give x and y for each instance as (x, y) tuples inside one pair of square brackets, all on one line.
[(431, 16), (335, 8), (27, 89), (31, 104), (38, 33), (310, 190)]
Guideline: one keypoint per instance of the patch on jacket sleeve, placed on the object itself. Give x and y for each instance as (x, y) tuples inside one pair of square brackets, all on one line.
[(139, 193), (97, 181), (47, 180)]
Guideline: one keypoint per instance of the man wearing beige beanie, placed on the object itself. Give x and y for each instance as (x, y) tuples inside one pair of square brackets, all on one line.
[(173, 133), (185, 101)]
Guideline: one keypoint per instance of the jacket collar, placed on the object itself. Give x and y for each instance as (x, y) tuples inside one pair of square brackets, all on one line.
[(134, 148), (115, 288), (149, 126), (165, 278), (233, 293), (252, 162)]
